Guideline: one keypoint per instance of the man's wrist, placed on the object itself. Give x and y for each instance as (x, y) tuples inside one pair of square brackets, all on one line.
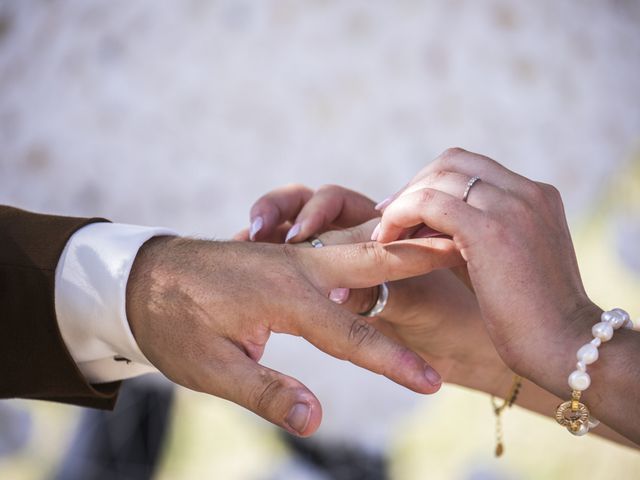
[(90, 297), (145, 278)]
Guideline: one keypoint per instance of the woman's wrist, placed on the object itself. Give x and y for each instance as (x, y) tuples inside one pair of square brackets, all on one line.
[(551, 357), (547, 362)]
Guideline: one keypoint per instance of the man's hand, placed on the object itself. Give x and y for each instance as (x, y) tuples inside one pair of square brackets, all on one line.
[(203, 311)]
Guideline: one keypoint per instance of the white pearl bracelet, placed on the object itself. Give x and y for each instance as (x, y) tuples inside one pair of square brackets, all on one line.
[(572, 414)]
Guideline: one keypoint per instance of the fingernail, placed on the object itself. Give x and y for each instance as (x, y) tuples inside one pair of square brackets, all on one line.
[(293, 231), (298, 417), (376, 233), (339, 295), (256, 226), (384, 203), (432, 376)]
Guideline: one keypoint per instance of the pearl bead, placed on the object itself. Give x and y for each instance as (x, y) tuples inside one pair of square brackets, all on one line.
[(629, 325), (606, 316), (593, 423), (579, 380), (587, 354), (583, 430), (581, 366), (615, 318), (602, 330), (623, 314), (596, 342)]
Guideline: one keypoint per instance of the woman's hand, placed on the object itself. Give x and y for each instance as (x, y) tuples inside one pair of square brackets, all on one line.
[(514, 237), (513, 234), (294, 213)]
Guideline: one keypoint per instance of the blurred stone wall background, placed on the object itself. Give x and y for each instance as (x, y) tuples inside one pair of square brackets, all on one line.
[(182, 113)]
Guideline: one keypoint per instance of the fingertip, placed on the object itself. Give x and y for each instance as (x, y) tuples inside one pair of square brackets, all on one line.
[(386, 235), (315, 420), (376, 232), (339, 295), (311, 224), (304, 417), (433, 378), (384, 203), (257, 224), (412, 371), (429, 389), (293, 232)]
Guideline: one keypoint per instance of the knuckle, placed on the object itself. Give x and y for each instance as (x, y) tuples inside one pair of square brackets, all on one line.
[(296, 186), (449, 156), (436, 177), (375, 252), (534, 191), (361, 333), (329, 188), (550, 192), (452, 152), (426, 196), (543, 195), (266, 393)]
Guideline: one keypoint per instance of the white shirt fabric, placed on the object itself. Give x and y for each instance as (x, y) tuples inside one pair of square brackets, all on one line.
[(90, 300)]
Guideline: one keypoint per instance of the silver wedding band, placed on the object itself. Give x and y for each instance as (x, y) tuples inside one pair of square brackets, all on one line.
[(383, 298), (470, 185)]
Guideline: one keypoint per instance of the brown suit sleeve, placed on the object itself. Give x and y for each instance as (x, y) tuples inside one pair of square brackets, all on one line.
[(34, 361)]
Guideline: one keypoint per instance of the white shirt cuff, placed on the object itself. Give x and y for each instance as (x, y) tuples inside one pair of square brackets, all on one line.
[(90, 300)]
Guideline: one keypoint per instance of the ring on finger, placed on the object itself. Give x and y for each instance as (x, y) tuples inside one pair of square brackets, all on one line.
[(316, 242), (470, 184), (381, 302)]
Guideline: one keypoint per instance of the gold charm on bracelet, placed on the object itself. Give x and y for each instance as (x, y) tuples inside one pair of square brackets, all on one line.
[(572, 414)]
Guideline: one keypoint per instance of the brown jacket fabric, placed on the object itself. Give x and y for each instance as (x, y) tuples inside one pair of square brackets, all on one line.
[(34, 361)]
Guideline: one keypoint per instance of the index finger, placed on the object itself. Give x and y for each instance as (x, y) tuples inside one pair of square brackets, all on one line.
[(275, 208), (332, 205)]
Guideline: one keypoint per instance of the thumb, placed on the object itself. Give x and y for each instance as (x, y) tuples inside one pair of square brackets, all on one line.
[(278, 398), (367, 264)]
